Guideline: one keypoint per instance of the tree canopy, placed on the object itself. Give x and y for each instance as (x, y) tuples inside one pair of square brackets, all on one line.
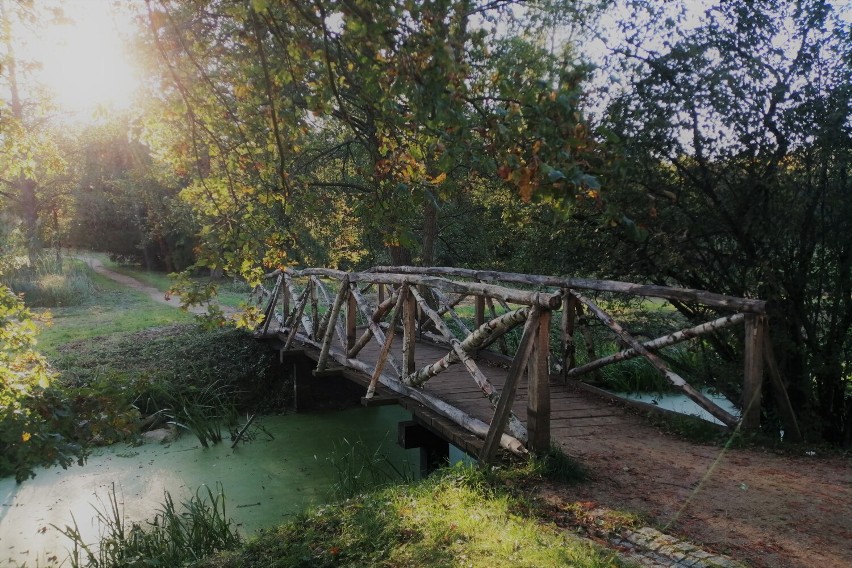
[(709, 147)]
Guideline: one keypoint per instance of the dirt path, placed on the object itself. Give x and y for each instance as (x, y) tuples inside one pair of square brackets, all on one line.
[(762, 508), (130, 282)]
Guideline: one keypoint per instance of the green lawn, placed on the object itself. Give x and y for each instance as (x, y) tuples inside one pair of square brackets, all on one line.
[(230, 292), (113, 309)]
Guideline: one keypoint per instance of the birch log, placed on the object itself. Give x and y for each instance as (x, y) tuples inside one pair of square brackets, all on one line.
[(374, 326), (659, 343), (491, 393), (306, 322), (270, 308), (457, 416), (504, 349), (329, 334), (660, 365), (480, 338), (383, 354), (314, 310), (456, 301), (372, 321), (455, 316), (299, 311), (507, 398), (647, 290)]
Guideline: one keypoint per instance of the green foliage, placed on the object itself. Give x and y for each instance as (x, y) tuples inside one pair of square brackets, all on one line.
[(555, 465), (731, 152), (372, 121), (35, 424), (176, 536), (453, 516), (204, 411), (122, 203), (210, 373)]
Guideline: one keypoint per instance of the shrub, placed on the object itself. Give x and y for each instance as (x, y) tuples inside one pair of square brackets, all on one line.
[(35, 426)]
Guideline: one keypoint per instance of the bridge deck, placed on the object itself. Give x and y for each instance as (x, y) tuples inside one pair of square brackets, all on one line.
[(574, 412)]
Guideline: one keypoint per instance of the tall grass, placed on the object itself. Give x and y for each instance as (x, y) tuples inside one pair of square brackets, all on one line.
[(359, 469), (205, 411), (176, 536), (52, 282)]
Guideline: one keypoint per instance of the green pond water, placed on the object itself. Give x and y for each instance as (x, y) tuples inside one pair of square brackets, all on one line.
[(265, 481)]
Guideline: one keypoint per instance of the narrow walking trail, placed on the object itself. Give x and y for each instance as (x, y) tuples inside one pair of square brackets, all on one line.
[(764, 508), (130, 282)]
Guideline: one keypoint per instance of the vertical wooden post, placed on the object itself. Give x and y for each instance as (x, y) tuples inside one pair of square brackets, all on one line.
[(479, 316), (269, 313), (285, 301), (351, 319), (332, 314), (538, 373), (569, 320), (755, 328), (381, 293), (504, 348), (409, 338), (314, 310)]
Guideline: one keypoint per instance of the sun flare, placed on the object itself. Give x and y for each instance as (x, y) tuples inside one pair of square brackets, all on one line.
[(85, 63)]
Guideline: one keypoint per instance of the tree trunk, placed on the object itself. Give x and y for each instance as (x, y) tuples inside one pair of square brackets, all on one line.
[(24, 186), (29, 206), (430, 232), (400, 255)]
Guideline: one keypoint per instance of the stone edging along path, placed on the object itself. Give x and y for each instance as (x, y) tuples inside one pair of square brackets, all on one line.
[(650, 548)]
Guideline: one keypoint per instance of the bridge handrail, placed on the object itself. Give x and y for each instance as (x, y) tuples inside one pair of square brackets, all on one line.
[(527, 298), (407, 308), (704, 297)]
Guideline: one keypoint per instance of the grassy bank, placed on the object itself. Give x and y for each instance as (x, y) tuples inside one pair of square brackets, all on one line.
[(460, 516), (229, 291), (454, 518)]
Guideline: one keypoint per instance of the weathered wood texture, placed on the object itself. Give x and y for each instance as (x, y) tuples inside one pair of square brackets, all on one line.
[(644, 290), (676, 380), (421, 314), (574, 412)]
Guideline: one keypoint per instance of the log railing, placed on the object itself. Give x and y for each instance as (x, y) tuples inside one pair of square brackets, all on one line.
[(412, 301)]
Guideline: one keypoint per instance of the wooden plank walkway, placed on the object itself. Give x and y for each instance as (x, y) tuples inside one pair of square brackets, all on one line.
[(574, 411)]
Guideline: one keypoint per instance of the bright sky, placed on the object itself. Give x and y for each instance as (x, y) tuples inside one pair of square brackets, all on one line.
[(85, 63)]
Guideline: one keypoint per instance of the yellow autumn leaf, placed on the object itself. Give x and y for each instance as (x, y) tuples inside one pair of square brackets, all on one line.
[(439, 178)]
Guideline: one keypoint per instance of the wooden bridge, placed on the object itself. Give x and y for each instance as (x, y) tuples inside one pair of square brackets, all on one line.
[(398, 332)]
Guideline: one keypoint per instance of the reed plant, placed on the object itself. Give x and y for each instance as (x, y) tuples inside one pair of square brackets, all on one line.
[(177, 535), (205, 411), (52, 282), (359, 469)]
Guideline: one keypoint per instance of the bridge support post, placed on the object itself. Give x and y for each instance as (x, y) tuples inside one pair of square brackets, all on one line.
[(479, 314), (409, 319), (434, 450), (755, 329), (538, 373), (351, 321), (285, 301), (569, 319)]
